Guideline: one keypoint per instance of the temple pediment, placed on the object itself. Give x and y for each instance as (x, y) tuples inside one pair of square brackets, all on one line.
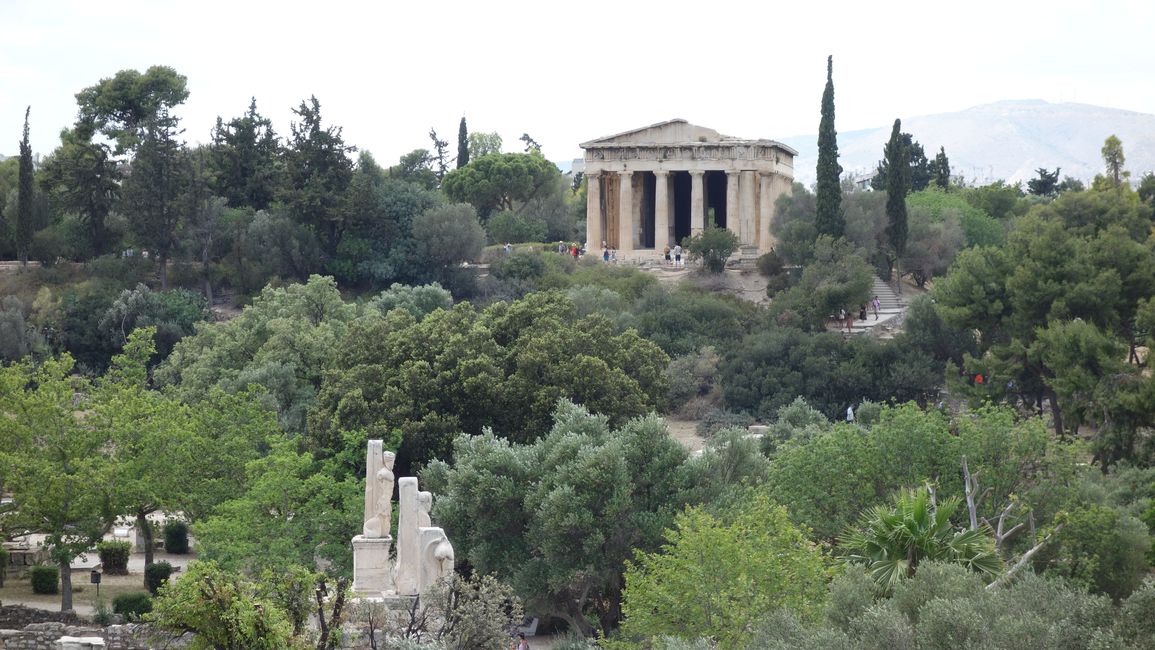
[(671, 132)]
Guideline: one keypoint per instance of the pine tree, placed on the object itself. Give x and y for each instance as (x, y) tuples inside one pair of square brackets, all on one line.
[(24, 204), (462, 144), (829, 219), (153, 191), (897, 157)]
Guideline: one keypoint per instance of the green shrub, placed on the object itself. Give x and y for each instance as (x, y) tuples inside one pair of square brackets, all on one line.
[(45, 580), (155, 575), (101, 614), (713, 246), (176, 537), (132, 605), (770, 264), (114, 557), (3, 564), (519, 266), (515, 228)]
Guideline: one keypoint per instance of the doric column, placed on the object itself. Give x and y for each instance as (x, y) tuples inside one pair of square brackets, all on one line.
[(661, 209), (765, 209), (594, 235), (746, 200), (733, 212), (697, 202), (626, 216)]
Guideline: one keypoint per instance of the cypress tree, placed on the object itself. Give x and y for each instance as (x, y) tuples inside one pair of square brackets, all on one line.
[(941, 169), (829, 219), (25, 197), (897, 157), (462, 144)]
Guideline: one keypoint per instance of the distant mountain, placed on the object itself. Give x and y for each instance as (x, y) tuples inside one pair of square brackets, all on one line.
[(1007, 140)]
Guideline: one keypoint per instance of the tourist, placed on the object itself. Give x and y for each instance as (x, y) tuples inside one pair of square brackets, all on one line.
[(876, 305), (613, 255), (606, 255), (561, 247), (508, 248), (667, 255), (850, 413), (862, 311), (849, 321), (678, 255), (574, 251)]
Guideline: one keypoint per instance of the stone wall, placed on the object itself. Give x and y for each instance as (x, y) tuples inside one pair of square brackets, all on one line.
[(43, 636), (15, 617)]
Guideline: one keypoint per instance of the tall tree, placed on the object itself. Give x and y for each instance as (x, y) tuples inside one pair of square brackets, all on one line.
[(440, 154), (24, 205), (481, 144), (829, 219), (1113, 159), (154, 189), (57, 467), (531, 145), (319, 172), (82, 177), (462, 144), (123, 106), (897, 157), (919, 171), (1047, 183), (940, 169), (245, 160)]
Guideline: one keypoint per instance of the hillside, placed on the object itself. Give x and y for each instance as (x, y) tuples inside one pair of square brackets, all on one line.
[(1007, 140)]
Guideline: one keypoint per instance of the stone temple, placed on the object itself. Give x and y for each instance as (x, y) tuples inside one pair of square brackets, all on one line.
[(651, 187)]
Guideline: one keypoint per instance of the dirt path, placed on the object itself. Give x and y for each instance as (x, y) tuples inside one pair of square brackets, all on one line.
[(685, 432)]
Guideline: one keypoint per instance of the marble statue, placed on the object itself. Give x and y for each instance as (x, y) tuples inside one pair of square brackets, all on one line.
[(436, 558), (378, 491)]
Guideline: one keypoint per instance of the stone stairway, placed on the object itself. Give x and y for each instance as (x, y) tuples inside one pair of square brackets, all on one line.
[(889, 315)]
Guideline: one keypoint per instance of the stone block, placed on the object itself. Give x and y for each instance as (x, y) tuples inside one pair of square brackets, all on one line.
[(372, 571)]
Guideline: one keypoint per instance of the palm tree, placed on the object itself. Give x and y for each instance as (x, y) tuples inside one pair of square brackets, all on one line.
[(891, 542)]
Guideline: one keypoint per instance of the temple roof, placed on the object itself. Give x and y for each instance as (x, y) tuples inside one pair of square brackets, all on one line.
[(675, 132)]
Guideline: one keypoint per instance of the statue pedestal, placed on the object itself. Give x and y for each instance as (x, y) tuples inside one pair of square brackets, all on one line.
[(371, 568)]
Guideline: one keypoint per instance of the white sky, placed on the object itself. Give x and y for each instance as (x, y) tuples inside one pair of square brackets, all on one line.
[(569, 72)]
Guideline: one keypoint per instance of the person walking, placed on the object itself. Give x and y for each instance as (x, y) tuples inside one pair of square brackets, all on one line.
[(849, 321), (678, 255), (875, 304)]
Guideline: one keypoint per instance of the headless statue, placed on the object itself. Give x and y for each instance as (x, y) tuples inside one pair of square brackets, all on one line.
[(378, 491)]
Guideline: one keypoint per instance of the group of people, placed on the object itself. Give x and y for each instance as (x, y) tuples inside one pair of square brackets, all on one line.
[(571, 249), (674, 256), (846, 316)]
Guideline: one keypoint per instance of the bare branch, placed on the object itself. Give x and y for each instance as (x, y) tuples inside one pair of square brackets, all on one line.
[(1018, 566), (970, 484)]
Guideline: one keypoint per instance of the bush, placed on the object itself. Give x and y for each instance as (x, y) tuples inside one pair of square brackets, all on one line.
[(520, 266), (713, 246), (3, 564), (132, 605), (155, 575), (45, 580), (176, 537), (719, 419), (101, 614), (514, 227), (693, 382), (114, 557)]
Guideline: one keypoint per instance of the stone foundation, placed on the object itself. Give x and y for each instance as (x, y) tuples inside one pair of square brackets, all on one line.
[(44, 636)]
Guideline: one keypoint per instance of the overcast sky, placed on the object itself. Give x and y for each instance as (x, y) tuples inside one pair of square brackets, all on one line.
[(569, 72)]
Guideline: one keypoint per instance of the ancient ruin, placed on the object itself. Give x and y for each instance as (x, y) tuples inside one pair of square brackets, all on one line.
[(649, 188), (424, 554)]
